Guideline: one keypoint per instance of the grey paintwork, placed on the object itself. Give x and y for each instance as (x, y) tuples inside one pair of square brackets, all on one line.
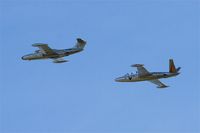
[(58, 54), (151, 76), (47, 53), (144, 75)]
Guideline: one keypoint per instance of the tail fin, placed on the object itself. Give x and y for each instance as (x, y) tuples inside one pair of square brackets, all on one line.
[(172, 68), (80, 43)]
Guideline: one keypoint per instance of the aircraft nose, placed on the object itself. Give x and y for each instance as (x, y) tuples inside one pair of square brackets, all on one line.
[(118, 79), (24, 58)]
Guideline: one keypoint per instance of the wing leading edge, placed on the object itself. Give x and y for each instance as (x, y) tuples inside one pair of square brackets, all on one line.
[(141, 70), (44, 48), (157, 82)]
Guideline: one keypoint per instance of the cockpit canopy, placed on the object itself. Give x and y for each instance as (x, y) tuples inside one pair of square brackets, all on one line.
[(131, 74), (37, 51), (126, 74)]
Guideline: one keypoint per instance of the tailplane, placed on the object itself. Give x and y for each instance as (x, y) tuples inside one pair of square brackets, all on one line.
[(172, 68), (80, 43)]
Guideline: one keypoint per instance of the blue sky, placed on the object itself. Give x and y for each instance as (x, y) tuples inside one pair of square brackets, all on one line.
[(81, 96)]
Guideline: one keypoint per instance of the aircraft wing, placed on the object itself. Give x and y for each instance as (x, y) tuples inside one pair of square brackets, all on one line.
[(59, 60), (141, 70), (157, 82), (44, 48)]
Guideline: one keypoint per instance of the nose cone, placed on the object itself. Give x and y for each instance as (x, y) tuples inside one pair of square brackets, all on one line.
[(24, 57), (120, 79)]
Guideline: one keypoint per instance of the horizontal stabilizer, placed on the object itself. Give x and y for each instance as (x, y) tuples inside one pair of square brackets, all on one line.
[(178, 69)]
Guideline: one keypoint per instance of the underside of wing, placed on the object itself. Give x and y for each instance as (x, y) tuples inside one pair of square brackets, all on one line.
[(59, 60), (141, 70), (157, 82), (44, 48)]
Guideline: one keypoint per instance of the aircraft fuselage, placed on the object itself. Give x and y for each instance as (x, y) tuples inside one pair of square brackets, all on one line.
[(150, 76), (58, 54)]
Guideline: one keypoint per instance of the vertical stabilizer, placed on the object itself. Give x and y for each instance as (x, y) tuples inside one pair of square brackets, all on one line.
[(80, 43), (172, 68)]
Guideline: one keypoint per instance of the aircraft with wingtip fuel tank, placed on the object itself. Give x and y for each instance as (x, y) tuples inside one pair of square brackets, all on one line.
[(143, 75)]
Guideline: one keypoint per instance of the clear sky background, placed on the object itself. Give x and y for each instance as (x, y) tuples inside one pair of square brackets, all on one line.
[(81, 96)]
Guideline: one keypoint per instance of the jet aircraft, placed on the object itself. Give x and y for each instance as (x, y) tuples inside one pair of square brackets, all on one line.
[(45, 52), (143, 75)]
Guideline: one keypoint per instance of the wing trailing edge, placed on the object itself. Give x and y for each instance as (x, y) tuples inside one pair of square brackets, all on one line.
[(137, 65)]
